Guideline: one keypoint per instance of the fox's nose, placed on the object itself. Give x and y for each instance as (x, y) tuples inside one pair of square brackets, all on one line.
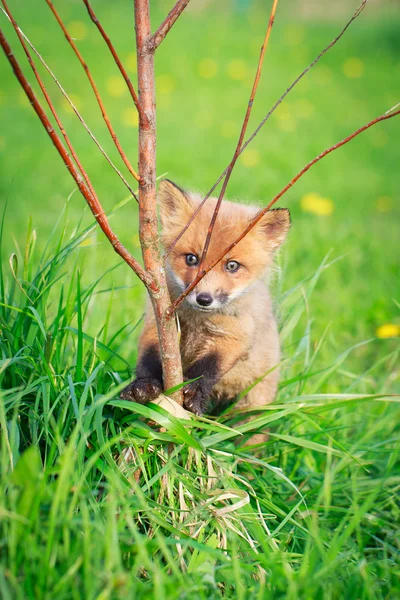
[(204, 299)]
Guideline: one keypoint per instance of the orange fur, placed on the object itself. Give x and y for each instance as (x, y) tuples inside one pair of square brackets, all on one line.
[(234, 341)]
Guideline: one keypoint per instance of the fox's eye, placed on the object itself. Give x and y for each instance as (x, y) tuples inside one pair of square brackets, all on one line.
[(191, 260), (232, 266)]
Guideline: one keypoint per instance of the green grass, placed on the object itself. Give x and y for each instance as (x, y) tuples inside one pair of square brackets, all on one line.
[(186, 512), (97, 501)]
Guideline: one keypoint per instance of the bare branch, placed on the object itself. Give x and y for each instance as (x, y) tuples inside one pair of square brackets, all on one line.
[(48, 99), (241, 136), (20, 33), (95, 90), (261, 213), (148, 229), (392, 109), (89, 196), (77, 113), (107, 40), (268, 115), (166, 25)]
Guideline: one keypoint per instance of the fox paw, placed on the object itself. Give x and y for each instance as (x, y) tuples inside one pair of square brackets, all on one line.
[(142, 390), (195, 398)]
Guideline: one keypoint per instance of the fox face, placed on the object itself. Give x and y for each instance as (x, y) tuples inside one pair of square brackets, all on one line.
[(243, 266)]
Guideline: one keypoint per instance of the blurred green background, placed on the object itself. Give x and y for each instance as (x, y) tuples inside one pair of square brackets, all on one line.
[(347, 205)]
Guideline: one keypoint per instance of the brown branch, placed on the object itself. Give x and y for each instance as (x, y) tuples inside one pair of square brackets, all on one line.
[(166, 25), (148, 229), (261, 213), (91, 199), (48, 99), (77, 113), (119, 64), (241, 136), (95, 90), (268, 115)]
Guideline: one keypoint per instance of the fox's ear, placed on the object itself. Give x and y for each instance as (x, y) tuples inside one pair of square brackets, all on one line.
[(175, 205), (275, 224)]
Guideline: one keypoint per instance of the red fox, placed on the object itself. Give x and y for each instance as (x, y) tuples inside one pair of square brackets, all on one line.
[(229, 336)]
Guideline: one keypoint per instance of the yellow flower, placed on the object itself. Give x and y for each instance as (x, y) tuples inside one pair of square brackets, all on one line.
[(388, 330), (136, 241), (164, 101), (284, 116), (384, 204), (379, 138), (250, 158), (282, 113), (229, 129), (287, 125), (353, 68), (294, 34), (255, 46), (116, 86), (131, 62), (237, 69), (165, 84), (77, 30), (22, 98), (130, 117), (207, 68), (76, 100), (317, 205), (203, 119), (304, 108), (323, 74)]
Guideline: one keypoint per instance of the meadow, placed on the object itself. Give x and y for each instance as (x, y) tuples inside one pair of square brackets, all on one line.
[(97, 501)]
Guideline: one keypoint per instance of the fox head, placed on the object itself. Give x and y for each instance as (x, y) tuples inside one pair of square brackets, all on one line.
[(245, 264)]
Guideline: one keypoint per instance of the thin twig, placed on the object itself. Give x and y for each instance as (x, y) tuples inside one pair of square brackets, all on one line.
[(268, 115), (241, 136), (393, 108), (166, 25), (95, 90), (262, 212), (77, 113), (119, 64), (91, 199)]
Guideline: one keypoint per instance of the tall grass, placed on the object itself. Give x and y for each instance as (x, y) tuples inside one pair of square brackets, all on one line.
[(102, 498)]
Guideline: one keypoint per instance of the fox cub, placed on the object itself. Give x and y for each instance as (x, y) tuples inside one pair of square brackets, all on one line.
[(229, 336)]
